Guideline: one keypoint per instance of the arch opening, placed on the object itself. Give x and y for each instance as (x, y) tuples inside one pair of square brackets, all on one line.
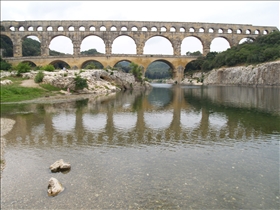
[(123, 65), (159, 69), (59, 64), (246, 40), (113, 28), (124, 45), (134, 28), (92, 64), (31, 46), (219, 44), (92, 45), (6, 46), (30, 63), (158, 45), (62, 45), (191, 45)]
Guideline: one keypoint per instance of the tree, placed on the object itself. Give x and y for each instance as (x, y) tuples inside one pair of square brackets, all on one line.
[(136, 70)]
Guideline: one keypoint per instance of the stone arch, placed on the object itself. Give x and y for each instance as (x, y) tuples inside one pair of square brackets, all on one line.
[(122, 40), (71, 28), (39, 28), (159, 41), (220, 30), (167, 66), (113, 28), (92, 28), (172, 29), (30, 28), (28, 50), (134, 28), (144, 28), (62, 44), (49, 28), (257, 31), (7, 52), (102, 28), (163, 29), (21, 28), (182, 29), (191, 29), (32, 64), (246, 39), (60, 28), (59, 64), (96, 63), (219, 44), (239, 31), (191, 44), (82, 28), (12, 28), (87, 41), (154, 28), (123, 67), (201, 30), (123, 28)]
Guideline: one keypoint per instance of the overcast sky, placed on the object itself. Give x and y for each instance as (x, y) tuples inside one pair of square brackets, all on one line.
[(257, 13)]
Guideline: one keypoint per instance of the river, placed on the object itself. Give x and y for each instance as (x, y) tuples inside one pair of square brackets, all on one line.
[(172, 147)]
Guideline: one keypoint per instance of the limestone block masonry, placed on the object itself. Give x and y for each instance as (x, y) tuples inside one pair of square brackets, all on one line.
[(139, 31)]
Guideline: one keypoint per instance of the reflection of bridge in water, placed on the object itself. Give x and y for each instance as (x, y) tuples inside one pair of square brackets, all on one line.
[(183, 119)]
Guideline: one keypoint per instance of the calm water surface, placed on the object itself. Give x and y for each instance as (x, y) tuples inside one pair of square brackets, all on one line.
[(168, 148)]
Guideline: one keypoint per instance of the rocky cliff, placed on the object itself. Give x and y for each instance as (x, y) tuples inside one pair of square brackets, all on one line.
[(266, 74)]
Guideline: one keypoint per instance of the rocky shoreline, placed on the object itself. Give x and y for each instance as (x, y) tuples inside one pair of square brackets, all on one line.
[(6, 127)]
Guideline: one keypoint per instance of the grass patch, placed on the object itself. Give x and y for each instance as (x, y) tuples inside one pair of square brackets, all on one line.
[(50, 87), (10, 93), (15, 80)]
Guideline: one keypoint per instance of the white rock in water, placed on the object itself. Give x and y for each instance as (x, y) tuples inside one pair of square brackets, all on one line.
[(60, 165), (54, 187)]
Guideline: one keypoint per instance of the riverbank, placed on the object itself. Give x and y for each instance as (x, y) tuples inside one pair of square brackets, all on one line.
[(6, 127)]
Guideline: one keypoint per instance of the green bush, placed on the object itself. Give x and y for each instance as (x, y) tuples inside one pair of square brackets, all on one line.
[(48, 68), (90, 66), (4, 65), (136, 70), (22, 68), (39, 77), (80, 83)]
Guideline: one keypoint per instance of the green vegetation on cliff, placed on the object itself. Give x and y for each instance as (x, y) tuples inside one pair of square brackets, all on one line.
[(263, 49)]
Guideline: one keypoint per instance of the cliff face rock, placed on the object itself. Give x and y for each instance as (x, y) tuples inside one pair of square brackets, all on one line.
[(266, 74)]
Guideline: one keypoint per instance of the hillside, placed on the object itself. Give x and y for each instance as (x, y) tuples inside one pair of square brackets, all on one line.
[(263, 49)]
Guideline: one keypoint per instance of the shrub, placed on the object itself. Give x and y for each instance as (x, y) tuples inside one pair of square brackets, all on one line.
[(22, 68), (4, 65), (136, 70), (80, 83), (90, 66), (39, 77), (48, 68)]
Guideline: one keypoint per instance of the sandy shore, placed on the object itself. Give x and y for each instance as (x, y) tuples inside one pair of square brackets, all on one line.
[(6, 126)]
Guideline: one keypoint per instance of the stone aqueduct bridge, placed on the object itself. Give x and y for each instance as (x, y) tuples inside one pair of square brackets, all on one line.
[(108, 31)]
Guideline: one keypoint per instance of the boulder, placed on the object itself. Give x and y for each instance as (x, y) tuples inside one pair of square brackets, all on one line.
[(54, 187), (6, 82), (60, 166)]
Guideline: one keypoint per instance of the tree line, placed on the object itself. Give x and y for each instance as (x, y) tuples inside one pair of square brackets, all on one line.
[(262, 49)]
